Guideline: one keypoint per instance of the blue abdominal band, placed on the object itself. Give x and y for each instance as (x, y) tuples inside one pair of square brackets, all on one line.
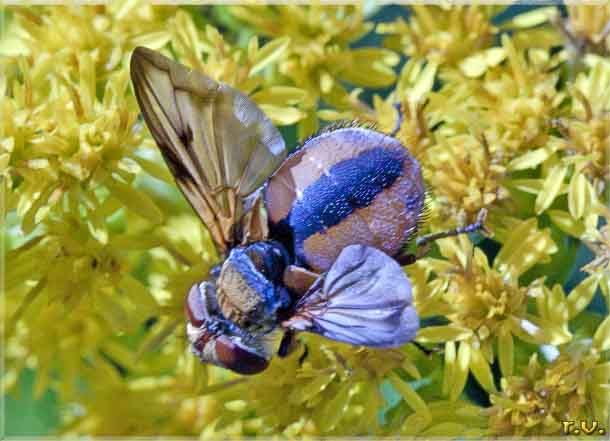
[(350, 184)]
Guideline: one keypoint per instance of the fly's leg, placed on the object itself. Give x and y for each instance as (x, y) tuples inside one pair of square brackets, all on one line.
[(423, 243), (425, 350), (289, 344), (298, 280), (477, 225)]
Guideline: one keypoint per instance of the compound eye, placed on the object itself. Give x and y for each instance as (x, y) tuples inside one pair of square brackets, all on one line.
[(238, 358), (195, 307)]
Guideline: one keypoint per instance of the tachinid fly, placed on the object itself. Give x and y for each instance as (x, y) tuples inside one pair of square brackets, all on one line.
[(310, 241)]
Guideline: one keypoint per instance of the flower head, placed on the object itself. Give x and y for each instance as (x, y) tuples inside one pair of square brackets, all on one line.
[(573, 387), (319, 58), (441, 34)]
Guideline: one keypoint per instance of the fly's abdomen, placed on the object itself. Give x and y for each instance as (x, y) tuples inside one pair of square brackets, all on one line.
[(344, 187)]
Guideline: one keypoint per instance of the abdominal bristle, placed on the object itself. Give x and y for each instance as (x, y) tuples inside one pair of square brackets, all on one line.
[(426, 213), (341, 124)]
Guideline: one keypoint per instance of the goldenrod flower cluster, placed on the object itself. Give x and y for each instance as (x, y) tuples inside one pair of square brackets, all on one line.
[(512, 116)]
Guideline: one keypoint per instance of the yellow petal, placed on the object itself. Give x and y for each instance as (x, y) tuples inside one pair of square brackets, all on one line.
[(525, 247), (86, 70), (326, 82), (333, 115), (506, 353), (331, 412), (411, 397), (152, 40), (461, 371), (515, 63), (478, 63), (536, 330), (270, 53), (369, 67), (578, 195), (481, 370), (424, 83), (567, 223), (411, 369), (450, 357), (550, 187), (279, 95), (310, 390), (474, 65), (137, 201), (440, 334), (282, 116), (601, 339), (531, 159), (139, 294), (533, 18), (581, 296)]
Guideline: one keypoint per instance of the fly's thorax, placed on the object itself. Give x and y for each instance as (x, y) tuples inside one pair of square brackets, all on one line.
[(249, 290)]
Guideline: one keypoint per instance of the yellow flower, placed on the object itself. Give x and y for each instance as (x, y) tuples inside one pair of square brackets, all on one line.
[(64, 299), (464, 177), (319, 58), (572, 387), (587, 29), (580, 156), (587, 129), (107, 33), (334, 389), (442, 34), (62, 142), (484, 304)]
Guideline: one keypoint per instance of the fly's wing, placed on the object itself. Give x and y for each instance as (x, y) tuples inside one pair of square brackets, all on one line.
[(218, 144), (364, 299)]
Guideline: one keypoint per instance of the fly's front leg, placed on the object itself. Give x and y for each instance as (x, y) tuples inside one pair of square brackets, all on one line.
[(289, 344), (477, 225)]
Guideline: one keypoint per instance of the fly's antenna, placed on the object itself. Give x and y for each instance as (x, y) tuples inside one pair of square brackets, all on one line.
[(477, 225)]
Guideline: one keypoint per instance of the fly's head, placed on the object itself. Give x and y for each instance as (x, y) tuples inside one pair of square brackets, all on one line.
[(216, 340)]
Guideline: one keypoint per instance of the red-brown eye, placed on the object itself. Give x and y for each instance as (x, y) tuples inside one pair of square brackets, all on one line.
[(238, 358), (194, 306)]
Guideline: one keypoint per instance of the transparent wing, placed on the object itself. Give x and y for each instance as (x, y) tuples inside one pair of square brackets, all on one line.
[(218, 144), (364, 299)]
